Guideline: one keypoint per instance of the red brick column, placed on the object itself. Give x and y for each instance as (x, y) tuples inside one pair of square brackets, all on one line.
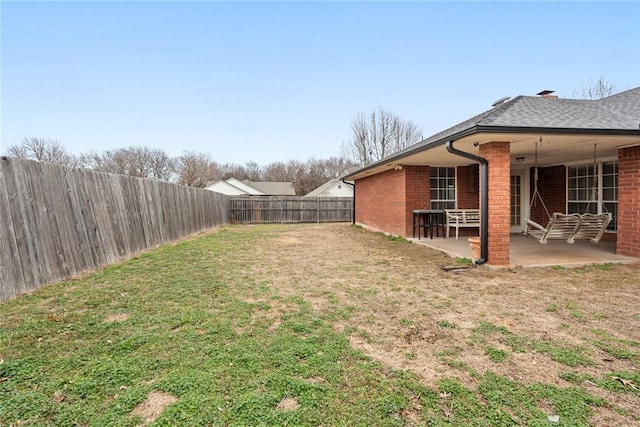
[(629, 201), (497, 154)]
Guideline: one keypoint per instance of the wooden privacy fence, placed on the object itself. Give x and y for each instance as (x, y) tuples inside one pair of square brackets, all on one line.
[(57, 222), (283, 209)]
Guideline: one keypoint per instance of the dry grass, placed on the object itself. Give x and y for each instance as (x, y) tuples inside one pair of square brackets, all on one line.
[(404, 311), (267, 325)]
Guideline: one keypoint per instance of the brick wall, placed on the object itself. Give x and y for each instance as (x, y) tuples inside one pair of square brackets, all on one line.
[(629, 201), (468, 187), (468, 192), (417, 192), (385, 201), (552, 186), (497, 154)]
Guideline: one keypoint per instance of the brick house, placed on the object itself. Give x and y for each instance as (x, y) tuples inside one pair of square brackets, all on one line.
[(587, 154)]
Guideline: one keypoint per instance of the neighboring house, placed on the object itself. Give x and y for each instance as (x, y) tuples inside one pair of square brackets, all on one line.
[(235, 187), (587, 154), (333, 188), (274, 188), (232, 187)]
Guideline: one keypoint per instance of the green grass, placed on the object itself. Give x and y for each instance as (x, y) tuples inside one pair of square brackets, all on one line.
[(446, 324), (561, 353), (495, 354), (500, 401), (186, 329), (190, 320), (619, 348), (618, 382), (398, 239)]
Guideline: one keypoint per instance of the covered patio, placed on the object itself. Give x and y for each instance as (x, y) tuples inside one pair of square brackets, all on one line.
[(517, 163), (528, 252)]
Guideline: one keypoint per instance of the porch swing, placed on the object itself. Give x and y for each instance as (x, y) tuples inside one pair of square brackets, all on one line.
[(569, 227)]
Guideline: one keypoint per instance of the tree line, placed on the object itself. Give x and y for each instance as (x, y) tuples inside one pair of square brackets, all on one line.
[(191, 168), (374, 136)]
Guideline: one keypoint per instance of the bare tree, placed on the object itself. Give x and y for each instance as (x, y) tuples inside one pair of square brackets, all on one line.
[(598, 90), (278, 172), (42, 150), (378, 135), (196, 169), (308, 175), (142, 162), (233, 170), (253, 171), (337, 166)]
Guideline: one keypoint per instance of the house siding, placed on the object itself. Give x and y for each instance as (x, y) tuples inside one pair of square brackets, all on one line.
[(380, 201), (499, 193), (468, 193), (552, 186), (418, 193), (386, 200), (628, 238)]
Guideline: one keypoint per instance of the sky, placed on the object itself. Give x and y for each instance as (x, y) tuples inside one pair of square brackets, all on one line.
[(279, 81)]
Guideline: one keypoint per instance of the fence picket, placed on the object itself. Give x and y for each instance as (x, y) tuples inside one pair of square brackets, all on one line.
[(57, 222), (289, 209)]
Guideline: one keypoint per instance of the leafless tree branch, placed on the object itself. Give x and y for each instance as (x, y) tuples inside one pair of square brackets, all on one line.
[(378, 135)]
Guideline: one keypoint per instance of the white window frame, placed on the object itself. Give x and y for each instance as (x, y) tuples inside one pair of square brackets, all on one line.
[(600, 201), (438, 202)]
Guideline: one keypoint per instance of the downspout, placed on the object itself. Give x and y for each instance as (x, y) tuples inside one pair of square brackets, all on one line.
[(484, 199), (353, 207)]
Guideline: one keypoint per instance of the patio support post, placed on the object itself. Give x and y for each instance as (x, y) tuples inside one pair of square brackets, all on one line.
[(628, 237), (498, 193), (484, 200)]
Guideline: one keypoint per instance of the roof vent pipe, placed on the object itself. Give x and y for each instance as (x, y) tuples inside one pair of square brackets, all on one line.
[(484, 199)]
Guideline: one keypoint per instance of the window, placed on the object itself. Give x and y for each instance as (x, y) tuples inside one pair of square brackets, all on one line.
[(610, 192), (593, 188), (443, 188), (516, 200)]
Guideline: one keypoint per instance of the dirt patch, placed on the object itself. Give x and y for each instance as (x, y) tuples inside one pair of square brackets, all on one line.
[(316, 380), (407, 313), (288, 404), (153, 406), (119, 317)]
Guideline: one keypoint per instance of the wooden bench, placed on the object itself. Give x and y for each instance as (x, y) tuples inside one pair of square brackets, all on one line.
[(570, 227), (462, 218), (560, 226)]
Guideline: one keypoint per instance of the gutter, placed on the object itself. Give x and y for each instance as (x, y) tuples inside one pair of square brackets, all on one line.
[(477, 129), (484, 200), (353, 207)]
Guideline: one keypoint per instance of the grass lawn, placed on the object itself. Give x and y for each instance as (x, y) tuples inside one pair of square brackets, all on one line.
[(321, 325)]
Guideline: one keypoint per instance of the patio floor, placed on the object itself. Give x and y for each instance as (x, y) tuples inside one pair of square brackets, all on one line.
[(528, 252)]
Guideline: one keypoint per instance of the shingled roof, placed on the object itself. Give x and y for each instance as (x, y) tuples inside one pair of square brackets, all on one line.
[(621, 111), (618, 113), (271, 188)]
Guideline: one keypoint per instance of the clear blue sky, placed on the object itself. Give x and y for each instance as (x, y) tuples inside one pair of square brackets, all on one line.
[(268, 81)]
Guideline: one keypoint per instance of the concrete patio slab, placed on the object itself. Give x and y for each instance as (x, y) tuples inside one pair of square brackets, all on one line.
[(528, 252)]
